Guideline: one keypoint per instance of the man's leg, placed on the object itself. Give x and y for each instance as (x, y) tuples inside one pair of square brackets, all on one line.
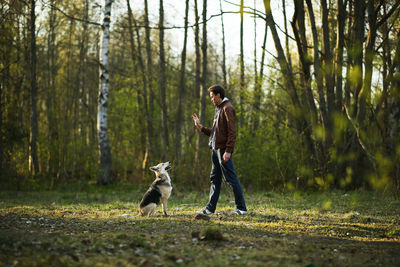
[(232, 179), (215, 179)]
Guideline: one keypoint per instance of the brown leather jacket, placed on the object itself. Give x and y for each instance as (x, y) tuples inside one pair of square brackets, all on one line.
[(224, 127)]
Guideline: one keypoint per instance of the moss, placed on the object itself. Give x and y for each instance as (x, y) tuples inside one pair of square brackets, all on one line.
[(212, 234)]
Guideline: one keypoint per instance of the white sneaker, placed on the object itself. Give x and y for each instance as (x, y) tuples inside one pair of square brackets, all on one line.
[(239, 212), (204, 211)]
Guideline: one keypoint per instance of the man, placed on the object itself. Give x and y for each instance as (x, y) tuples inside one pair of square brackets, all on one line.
[(222, 141)]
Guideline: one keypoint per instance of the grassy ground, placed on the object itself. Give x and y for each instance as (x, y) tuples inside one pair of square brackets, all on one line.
[(100, 227)]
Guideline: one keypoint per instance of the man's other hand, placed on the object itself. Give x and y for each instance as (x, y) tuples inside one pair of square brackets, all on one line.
[(226, 157)]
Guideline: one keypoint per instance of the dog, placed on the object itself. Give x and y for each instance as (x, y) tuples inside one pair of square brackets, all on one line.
[(159, 191)]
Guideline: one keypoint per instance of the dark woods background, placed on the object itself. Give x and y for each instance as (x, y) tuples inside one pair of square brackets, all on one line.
[(322, 113)]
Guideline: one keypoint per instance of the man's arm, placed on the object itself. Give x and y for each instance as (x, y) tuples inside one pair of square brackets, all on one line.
[(230, 119)]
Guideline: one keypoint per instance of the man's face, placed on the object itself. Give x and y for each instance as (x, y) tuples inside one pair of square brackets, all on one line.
[(215, 99)]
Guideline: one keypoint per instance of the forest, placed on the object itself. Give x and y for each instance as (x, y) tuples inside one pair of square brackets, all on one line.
[(94, 92)]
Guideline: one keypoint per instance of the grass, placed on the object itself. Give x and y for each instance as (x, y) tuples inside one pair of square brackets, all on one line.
[(100, 227)]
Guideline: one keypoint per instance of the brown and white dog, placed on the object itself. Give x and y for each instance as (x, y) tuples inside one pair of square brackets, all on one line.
[(159, 191)]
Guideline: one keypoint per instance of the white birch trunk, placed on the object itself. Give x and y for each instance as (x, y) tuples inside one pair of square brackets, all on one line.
[(105, 175)]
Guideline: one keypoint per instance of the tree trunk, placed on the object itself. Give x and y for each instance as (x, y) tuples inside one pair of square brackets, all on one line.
[(150, 96), (197, 83), (137, 55), (241, 78), (224, 74), (203, 85), (286, 33), (255, 46), (301, 124), (53, 138), (356, 52), (106, 174), (83, 88), (285, 68), (327, 67), (299, 30), (255, 113), (203, 90), (317, 67), (163, 86), (34, 115), (79, 100), (1, 131), (322, 156), (364, 97), (339, 53), (181, 89), (394, 117), (197, 50), (349, 59), (258, 85), (387, 61)]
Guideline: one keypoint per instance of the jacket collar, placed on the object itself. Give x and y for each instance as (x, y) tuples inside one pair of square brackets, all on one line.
[(223, 101)]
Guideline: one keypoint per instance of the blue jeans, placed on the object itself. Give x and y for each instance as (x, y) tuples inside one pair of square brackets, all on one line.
[(219, 169)]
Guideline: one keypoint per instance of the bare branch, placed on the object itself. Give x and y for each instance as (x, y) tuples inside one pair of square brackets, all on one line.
[(261, 15), (69, 16), (362, 144), (395, 6)]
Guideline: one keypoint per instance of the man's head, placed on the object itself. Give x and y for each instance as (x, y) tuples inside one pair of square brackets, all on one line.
[(217, 94)]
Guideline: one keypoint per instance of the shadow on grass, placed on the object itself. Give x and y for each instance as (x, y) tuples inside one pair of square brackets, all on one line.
[(86, 228)]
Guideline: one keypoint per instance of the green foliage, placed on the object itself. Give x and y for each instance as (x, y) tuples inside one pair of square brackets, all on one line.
[(285, 141)]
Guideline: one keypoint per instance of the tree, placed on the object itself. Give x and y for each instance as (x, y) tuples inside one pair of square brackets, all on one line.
[(339, 53), (34, 115), (241, 60), (258, 85), (53, 161), (149, 76), (198, 83), (224, 72), (163, 85), (106, 173), (1, 127), (138, 54), (181, 89)]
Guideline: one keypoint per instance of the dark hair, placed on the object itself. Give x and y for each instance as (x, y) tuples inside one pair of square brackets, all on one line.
[(217, 89)]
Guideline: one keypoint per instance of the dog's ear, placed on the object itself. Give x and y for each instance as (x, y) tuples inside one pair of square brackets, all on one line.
[(154, 168)]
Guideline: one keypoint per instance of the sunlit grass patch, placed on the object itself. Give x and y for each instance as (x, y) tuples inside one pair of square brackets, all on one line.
[(100, 226)]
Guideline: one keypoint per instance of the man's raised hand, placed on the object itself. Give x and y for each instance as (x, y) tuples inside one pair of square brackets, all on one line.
[(196, 120)]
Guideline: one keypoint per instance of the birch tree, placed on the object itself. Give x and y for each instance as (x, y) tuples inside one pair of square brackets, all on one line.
[(105, 175)]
